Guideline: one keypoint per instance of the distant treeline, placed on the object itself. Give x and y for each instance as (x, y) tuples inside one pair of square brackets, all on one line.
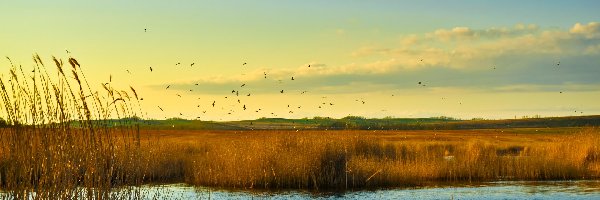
[(354, 123)]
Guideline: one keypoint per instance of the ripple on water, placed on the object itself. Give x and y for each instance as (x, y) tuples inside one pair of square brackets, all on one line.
[(487, 191)]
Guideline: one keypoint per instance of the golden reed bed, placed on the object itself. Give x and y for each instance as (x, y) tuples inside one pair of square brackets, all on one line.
[(57, 142)]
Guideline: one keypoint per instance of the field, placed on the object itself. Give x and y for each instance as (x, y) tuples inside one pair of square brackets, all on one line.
[(370, 159), (61, 140)]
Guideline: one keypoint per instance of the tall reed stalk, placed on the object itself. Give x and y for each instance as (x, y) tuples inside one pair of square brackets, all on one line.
[(58, 142)]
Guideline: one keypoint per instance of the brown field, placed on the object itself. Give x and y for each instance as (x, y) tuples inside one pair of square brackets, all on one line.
[(57, 142), (368, 159)]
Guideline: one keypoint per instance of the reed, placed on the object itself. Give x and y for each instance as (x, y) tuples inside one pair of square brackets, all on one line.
[(56, 142), (356, 160)]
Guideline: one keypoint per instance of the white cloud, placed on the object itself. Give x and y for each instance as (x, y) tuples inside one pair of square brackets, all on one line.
[(591, 30), (466, 48), (456, 48)]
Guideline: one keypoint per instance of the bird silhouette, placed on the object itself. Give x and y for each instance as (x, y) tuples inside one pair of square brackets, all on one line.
[(150, 69), (160, 108), (244, 107), (292, 78), (213, 104), (248, 95), (168, 87), (281, 91), (308, 65), (244, 63), (128, 71), (243, 85), (191, 65), (178, 95), (145, 30)]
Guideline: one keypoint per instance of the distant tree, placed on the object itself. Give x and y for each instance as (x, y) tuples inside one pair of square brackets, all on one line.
[(350, 117), (3, 122), (176, 119)]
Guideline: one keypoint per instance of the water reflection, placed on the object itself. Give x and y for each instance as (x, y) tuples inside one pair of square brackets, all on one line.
[(487, 191), (493, 190)]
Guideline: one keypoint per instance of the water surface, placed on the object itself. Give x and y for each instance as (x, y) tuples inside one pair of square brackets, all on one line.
[(487, 191)]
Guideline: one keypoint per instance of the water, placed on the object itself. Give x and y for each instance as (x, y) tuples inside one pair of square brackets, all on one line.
[(488, 191)]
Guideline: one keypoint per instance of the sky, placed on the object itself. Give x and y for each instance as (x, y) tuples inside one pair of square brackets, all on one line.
[(463, 59)]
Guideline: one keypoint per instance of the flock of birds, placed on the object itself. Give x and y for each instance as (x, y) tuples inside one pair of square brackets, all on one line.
[(290, 109)]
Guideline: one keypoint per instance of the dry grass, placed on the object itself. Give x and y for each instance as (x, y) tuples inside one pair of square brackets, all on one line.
[(57, 144), (366, 159)]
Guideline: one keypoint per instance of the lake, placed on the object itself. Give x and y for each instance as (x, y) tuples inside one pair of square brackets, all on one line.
[(488, 191)]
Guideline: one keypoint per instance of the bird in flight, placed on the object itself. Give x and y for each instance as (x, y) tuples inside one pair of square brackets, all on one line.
[(281, 91), (178, 95), (244, 63), (160, 108), (213, 104), (150, 69), (243, 85), (168, 87), (248, 95), (292, 78), (308, 65), (128, 71), (244, 107), (192, 64)]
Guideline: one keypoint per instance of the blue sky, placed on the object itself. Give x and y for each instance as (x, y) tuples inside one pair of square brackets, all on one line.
[(477, 58)]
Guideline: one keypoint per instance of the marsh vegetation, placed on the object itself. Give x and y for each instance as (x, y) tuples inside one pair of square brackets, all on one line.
[(58, 141)]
